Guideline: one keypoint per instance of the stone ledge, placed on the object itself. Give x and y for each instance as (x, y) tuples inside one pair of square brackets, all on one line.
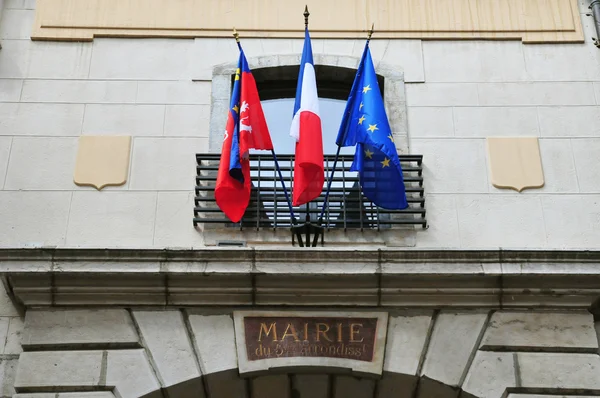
[(434, 278), (514, 261), (86, 329), (571, 331)]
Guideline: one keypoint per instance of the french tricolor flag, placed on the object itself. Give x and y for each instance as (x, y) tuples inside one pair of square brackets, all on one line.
[(306, 129)]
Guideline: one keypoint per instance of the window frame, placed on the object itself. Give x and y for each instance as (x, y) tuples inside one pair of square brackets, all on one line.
[(392, 78)]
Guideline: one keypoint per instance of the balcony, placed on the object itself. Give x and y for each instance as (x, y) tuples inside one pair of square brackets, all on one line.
[(347, 208)]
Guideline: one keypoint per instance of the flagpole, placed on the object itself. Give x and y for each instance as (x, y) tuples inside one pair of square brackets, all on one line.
[(370, 33), (306, 15), (236, 35)]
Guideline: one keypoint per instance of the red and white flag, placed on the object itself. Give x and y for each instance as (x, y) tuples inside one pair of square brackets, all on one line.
[(246, 129), (306, 129)]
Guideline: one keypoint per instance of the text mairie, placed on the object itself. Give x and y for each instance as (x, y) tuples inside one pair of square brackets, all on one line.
[(276, 337)]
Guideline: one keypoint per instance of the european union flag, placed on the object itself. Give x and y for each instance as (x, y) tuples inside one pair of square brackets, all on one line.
[(365, 124)]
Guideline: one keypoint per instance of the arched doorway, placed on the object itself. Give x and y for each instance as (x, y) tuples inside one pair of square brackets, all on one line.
[(306, 383)]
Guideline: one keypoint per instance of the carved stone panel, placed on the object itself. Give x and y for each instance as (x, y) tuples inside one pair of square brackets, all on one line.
[(353, 340), (102, 161), (515, 163), (533, 21)]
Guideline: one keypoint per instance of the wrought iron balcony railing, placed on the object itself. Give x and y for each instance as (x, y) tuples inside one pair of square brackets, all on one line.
[(347, 208)]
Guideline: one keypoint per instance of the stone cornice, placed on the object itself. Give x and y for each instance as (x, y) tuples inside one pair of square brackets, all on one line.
[(300, 277)]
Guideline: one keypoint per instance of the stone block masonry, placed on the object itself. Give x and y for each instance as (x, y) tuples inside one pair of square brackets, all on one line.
[(168, 95), (191, 353)]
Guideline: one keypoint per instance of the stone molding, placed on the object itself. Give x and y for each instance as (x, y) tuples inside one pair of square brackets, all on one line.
[(394, 94), (533, 21), (369, 278)]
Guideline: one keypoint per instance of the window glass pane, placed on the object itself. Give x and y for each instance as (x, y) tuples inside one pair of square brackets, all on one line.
[(279, 118)]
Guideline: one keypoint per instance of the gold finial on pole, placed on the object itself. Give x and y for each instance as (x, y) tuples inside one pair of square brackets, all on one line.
[(371, 31), (236, 35), (306, 15)]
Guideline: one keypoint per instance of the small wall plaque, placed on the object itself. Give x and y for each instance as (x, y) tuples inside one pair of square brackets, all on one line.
[(354, 340), (102, 161), (515, 162)]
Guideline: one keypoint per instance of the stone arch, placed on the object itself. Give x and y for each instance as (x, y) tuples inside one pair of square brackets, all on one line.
[(312, 383), (191, 352), (394, 91)]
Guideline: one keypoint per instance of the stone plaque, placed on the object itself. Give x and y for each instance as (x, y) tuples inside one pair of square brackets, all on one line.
[(285, 339)]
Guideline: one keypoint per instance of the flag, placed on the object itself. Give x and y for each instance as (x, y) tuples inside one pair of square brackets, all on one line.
[(365, 125), (246, 129), (306, 129)]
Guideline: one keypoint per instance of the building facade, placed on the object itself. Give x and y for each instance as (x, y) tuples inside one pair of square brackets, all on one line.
[(116, 282)]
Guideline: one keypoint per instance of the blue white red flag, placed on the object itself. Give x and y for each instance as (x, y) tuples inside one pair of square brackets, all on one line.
[(306, 129)]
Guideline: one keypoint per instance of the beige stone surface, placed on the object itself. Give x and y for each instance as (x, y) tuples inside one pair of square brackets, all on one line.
[(112, 219), (405, 343), (453, 340), (528, 330), (567, 371), (173, 226), (586, 162), (123, 119), (515, 163), (59, 368), (5, 146), (98, 394), (165, 164), (213, 331), (6, 306), (130, 372), (8, 370), (518, 221), (165, 337), (13, 336), (102, 161), (26, 223), (41, 163), (77, 91), (532, 21), (4, 322), (558, 163), (546, 396), (16, 24), (571, 220), (546, 93), (491, 374), (78, 327), (10, 89), (40, 119)]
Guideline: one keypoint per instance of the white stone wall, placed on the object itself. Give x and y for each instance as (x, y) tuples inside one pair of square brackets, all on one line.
[(191, 353), (11, 327), (158, 91)]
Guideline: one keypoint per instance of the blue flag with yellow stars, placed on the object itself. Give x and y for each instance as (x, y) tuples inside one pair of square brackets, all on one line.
[(365, 124)]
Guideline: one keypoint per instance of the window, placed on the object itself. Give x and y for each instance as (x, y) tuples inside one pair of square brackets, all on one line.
[(348, 209), (279, 113)]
